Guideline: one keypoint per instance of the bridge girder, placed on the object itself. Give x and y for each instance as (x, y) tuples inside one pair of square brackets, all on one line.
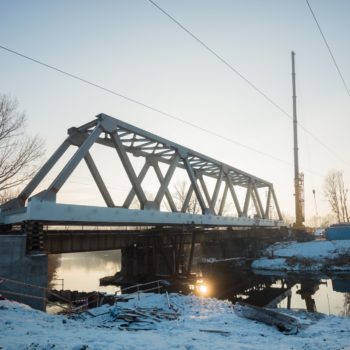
[(128, 140)]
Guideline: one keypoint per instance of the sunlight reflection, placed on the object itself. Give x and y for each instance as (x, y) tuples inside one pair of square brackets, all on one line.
[(200, 288)]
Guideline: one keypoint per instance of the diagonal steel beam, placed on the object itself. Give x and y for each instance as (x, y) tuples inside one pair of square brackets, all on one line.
[(223, 200), (194, 184), (50, 193), (129, 169), (164, 185), (247, 200), (255, 202), (98, 180), (260, 206), (234, 196), (32, 185), (167, 192), (276, 204), (216, 190), (205, 189), (141, 176), (186, 202)]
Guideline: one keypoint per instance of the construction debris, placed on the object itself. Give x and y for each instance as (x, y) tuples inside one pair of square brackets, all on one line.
[(284, 323)]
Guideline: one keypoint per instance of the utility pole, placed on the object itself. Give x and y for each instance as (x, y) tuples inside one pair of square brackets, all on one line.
[(298, 177)]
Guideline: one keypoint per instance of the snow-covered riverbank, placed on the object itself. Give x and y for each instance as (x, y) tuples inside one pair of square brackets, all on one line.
[(201, 324), (320, 255)]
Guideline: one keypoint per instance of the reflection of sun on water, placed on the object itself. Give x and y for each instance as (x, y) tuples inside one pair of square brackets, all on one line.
[(203, 289), (200, 288)]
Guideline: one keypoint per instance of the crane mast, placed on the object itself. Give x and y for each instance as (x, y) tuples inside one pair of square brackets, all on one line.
[(298, 177)]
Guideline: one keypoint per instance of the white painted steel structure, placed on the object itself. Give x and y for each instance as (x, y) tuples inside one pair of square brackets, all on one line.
[(128, 139)]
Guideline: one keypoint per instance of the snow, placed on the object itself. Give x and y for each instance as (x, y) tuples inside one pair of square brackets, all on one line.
[(308, 256), (197, 327), (312, 250)]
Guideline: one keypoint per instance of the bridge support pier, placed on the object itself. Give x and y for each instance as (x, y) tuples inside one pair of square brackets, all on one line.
[(22, 277), (35, 236), (154, 259)]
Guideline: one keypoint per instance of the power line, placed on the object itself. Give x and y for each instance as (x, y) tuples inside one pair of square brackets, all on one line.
[(328, 48), (74, 76), (234, 70), (220, 58)]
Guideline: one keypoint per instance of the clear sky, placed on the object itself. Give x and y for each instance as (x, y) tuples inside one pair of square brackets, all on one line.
[(132, 48)]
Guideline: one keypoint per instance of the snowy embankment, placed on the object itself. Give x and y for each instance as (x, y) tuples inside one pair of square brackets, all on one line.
[(199, 324), (307, 256)]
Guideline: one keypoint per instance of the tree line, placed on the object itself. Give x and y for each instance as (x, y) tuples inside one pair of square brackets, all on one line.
[(337, 194)]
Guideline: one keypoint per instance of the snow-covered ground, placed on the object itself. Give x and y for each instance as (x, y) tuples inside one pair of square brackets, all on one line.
[(307, 256), (201, 324)]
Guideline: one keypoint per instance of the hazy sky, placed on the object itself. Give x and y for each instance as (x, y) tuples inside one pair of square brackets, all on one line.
[(134, 49)]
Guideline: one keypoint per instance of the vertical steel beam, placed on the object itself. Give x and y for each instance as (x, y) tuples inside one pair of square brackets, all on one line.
[(164, 185), (268, 202), (32, 185), (223, 200), (190, 259), (167, 192), (72, 164), (141, 176), (98, 180), (234, 196), (195, 186), (129, 169)]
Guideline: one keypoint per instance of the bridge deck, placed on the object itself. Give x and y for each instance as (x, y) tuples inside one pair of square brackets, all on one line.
[(64, 214)]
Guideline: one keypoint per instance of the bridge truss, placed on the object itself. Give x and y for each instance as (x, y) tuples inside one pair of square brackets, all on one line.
[(129, 140)]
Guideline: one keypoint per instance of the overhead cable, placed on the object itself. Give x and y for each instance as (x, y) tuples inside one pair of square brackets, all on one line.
[(74, 76), (234, 70), (220, 58), (328, 48)]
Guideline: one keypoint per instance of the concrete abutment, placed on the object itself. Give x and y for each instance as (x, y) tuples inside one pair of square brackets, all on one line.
[(24, 276)]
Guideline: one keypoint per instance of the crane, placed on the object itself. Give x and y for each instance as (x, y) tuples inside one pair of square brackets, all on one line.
[(298, 177)]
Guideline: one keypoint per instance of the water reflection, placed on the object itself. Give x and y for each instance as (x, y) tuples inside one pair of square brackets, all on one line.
[(326, 294), (317, 295), (82, 271), (312, 293)]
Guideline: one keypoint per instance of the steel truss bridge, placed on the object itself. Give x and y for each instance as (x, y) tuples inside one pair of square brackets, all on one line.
[(129, 141)]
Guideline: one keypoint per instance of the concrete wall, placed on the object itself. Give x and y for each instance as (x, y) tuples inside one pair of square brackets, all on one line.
[(17, 266)]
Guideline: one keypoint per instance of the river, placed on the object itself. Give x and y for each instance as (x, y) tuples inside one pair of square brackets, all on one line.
[(326, 294)]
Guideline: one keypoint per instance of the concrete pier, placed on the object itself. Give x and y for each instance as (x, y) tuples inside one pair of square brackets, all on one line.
[(22, 273)]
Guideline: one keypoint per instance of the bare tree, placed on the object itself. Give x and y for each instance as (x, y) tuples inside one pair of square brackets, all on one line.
[(179, 196), (19, 154), (336, 194)]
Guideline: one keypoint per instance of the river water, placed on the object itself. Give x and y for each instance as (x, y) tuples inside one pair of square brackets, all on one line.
[(329, 295)]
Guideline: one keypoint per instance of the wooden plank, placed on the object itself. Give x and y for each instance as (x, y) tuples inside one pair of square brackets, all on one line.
[(284, 323)]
